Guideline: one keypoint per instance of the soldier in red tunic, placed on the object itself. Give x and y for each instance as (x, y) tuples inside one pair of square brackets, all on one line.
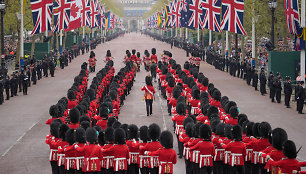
[(133, 57), (72, 102), (107, 162), (179, 119), (153, 56), (146, 60), (133, 144), (143, 159), (108, 56), (51, 140), (167, 156), (127, 56), (74, 116), (149, 94)]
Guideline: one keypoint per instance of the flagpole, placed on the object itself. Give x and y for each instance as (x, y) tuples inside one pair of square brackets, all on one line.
[(210, 38), (61, 41), (253, 31), (302, 57), (180, 32), (21, 33), (83, 32), (198, 34), (227, 44), (186, 33)]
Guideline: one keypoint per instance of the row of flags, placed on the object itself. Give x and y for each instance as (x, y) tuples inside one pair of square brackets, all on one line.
[(202, 14), (71, 14), (293, 24)]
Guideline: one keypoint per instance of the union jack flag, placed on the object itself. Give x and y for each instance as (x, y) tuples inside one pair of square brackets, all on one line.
[(196, 11), (61, 12), (211, 14), (169, 15), (232, 15), (176, 13), (155, 20), (94, 15), (185, 13), (292, 15), (42, 15), (102, 17), (85, 12)]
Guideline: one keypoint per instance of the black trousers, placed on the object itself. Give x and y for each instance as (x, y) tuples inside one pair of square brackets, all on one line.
[(149, 103), (188, 167), (219, 167), (300, 105), (154, 170), (133, 169), (205, 170), (55, 169), (52, 72), (287, 99), (278, 95), (263, 89), (180, 146), (144, 170), (20, 87), (25, 88), (7, 91), (237, 169)]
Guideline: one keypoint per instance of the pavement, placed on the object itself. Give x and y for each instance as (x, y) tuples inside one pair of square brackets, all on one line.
[(23, 128)]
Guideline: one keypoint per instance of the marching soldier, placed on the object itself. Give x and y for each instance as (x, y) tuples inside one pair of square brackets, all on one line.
[(52, 68), (149, 94), (255, 80), (287, 91), (270, 81), (108, 56), (45, 67)]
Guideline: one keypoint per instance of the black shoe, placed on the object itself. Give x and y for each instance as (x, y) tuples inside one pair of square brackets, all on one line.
[(180, 157), (288, 106), (301, 113)]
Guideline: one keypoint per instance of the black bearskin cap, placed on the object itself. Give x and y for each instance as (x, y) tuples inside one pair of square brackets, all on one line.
[(289, 149), (91, 135), (189, 129), (181, 108), (153, 51), (228, 131), (186, 121), (133, 51), (205, 132), (125, 128), (242, 118), (70, 136), (54, 128), (127, 51), (132, 131), (148, 81), (70, 95), (119, 136), (62, 131), (217, 95), (233, 112), (180, 99), (220, 129), (249, 128), (212, 110), (229, 105), (53, 111), (74, 115), (129, 54), (186, 65), (101, 139), (110, 121), (166, 139), (103, 112), (143, 133), (196, 94), (213, 123), (91, 94), (255, 130), (154, 132), (171, 82), (176, 93), (58, 121), (204, 108), (84, 118), (205, 81), (85, 124), (279, 136), (108, 53), (196, 129), (116, 125), (113, 94), (138, 54), (264, 129), (80, 135), (237, 132), (109, 135)]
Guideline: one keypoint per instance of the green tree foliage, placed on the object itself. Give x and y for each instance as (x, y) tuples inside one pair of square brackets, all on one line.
[(114, 6)]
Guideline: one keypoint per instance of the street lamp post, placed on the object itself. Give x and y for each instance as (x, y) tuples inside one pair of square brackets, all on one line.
[(272, 6), (2, 8)]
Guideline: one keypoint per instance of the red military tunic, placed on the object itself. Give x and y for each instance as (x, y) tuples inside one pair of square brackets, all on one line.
[(207, 152), (92, 156), (133, 151), (151, 147), (237, 151), (108, 158), (287, 165), (167, 157), (149, 92), (179, 119), (121, 155)]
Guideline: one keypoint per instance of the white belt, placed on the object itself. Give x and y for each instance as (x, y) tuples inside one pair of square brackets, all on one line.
[(216, 151), (187, 153), (78, 162), (162, 162), (51, 153), (152, 160), (233, 155), (108, 158), (206, 157), (68, 162), (117, 163), (87, 159), (255, 157), (195, 155), (193, 110), (60, 158)]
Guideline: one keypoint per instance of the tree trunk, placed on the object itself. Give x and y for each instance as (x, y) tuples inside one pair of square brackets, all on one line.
[(64, 40), (18, 43), (33, 44), (242, 47), (223, 44), (229, 43)]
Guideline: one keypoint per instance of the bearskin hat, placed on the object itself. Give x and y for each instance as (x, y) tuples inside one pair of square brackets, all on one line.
[(70, 95), (196, 129), (113, 94), (84, 118), (213, 123), (129, 54), (204, 100), (279, 136), (189, 129), (205, 132), (133, 51), (196, 94), (85, 124), (176, 93), (54, 128), (186, 65), (237, 132), (154, 132), (127, 51), (228, 131), (70, 136), (233, 112), (289, 149), (58, 121), (74, 115), (110, 121), (153, 51), (108, 53), (109, 135), (91, 94), (181, 108), (166, 139), (143, 133), (91, 135), (53, 111), (62, 131), (223, 100), (119, 136), (217, 95), (116, 125), (255, 130), (180, 99), (205, 81), (104, 112), (101, 139), (125, 128), (171, 82), (229, 105), (212, 110), (80, 135), (186, 121), (264, 128), (249, 129), (148, 81), (132, 131), (242, 118), (204, 108), (220, 129)]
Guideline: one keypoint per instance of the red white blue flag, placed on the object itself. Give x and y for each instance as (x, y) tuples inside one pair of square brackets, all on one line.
[(61, 11), (42, 15), (292, 15), (211, 14)]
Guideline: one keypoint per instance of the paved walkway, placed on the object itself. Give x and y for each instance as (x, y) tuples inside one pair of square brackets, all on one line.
[(22, 129)]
